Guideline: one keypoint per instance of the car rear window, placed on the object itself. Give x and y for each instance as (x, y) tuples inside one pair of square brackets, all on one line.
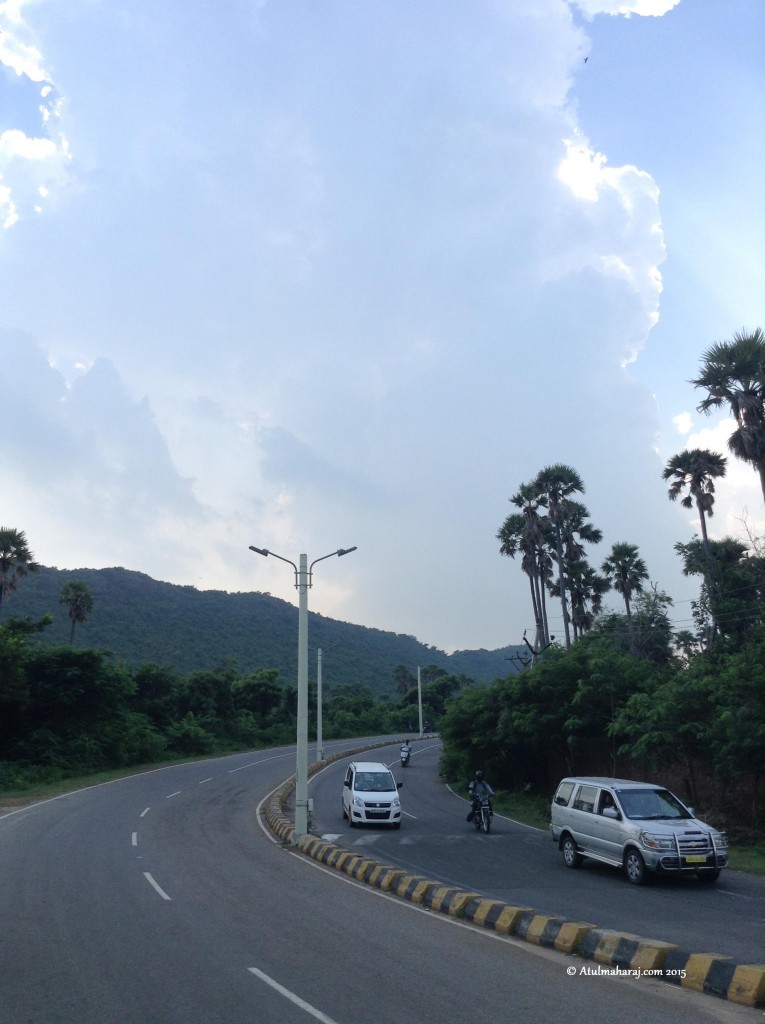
[(562, 797)]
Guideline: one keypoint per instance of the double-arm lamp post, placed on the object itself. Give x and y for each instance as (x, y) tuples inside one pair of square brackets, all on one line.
[(303, 580)]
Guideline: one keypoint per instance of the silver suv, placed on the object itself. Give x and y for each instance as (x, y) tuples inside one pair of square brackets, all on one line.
[(636, 826)]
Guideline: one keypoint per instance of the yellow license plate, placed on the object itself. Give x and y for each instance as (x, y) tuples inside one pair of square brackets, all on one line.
[(695, 860)]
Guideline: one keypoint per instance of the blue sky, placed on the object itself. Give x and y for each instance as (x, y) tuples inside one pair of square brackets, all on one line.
[(310, 274)]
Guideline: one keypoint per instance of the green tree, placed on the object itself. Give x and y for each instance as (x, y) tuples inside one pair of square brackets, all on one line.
[(403, 680), (523, 532), (16, 560), (733, 374), (555, 485), (697, 469), (76, 596), (626, 571), (737, 598)]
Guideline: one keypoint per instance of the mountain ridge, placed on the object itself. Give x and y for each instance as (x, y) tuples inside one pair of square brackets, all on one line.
[(146, 621)]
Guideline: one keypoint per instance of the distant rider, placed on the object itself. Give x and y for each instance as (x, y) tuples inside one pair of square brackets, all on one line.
[(479, 788), (406, 749)]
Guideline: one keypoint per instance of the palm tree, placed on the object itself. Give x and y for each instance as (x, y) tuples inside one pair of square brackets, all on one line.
[(625, 570), (76, 595), (733, 373), (587, 589), (555, 485), (522, 532), (697, 469), (16, 560)]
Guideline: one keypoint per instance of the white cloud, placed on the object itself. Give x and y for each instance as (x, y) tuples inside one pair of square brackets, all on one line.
[(353, 287), (18, 49), (29, 165), (649, 8)]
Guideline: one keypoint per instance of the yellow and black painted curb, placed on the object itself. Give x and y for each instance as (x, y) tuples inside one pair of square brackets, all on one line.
[(614, 952)]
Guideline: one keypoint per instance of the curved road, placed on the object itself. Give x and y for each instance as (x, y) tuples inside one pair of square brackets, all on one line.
[(158, 899), (522, 866)]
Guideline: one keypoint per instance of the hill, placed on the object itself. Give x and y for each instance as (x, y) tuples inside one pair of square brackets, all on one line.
[(143, 621)]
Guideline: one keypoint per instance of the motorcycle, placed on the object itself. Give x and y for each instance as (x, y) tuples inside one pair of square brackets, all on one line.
[(405, 755), (482, 814)]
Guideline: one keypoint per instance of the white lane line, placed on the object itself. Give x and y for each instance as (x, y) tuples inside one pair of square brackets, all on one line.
[(134, 839), (157, 888), (253, 764), (206, 780), (317, 1014), (144, 812), (171, 795)]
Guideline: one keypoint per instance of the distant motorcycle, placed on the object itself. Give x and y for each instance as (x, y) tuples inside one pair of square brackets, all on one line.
[(482, 814), (405, 755)]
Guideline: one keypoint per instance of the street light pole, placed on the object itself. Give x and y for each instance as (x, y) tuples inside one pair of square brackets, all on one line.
[(319, 738), (303, 580)]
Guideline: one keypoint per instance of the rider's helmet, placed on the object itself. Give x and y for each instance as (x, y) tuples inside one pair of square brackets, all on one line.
[(478, 776)]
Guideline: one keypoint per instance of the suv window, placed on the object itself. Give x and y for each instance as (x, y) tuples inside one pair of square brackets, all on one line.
[(585, 798), (565, 789), (652, 804)]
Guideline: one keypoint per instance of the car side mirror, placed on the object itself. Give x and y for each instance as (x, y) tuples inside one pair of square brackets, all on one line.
[(611, 812), (399, 785), (347, 783)]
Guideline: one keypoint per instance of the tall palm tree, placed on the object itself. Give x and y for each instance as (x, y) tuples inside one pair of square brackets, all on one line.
[(697, 469), (522, 532), (625, 570), (16, 560), (733, 373), (555, 484), (76, 595)]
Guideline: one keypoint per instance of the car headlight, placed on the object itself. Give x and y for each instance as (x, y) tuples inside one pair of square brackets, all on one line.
[(358, 802), (654, 842), (396, 803), (721, 840)]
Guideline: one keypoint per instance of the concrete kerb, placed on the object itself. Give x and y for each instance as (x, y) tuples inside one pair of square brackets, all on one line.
[(616, 951)]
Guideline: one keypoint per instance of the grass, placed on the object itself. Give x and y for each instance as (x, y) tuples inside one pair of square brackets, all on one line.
[(748, 858), (524, 807)]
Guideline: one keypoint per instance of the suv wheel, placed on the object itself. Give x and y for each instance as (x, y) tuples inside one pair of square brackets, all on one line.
[(572, 858), (634, 867)]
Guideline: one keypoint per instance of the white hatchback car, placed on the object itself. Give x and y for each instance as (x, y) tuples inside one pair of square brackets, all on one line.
[(370, 795)]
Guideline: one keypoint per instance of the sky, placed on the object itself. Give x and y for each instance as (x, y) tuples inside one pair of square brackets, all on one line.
[(314, 274)]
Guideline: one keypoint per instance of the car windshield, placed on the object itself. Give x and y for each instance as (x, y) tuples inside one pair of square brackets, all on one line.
[(374, 782), (651, 804)]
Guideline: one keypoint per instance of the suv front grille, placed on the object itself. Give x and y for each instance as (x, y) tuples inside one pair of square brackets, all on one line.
[(696, 843)]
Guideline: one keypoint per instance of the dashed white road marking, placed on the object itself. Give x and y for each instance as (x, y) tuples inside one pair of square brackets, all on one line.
[(316, 1014), (134, 839), (155, 886), (171, 795), (145, 812), (206, 780)]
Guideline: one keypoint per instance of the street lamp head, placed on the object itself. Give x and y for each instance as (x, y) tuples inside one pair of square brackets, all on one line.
[(259, 551), (345, 551)]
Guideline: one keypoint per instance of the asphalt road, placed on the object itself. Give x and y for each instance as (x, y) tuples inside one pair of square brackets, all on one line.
[(158, 899), (522, 866)]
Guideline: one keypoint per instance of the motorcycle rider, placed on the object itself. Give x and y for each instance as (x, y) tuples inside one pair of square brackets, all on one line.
[(406, 750), (479, 788)]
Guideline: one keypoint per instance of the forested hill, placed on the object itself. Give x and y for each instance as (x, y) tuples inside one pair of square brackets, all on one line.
[(143, 621)]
